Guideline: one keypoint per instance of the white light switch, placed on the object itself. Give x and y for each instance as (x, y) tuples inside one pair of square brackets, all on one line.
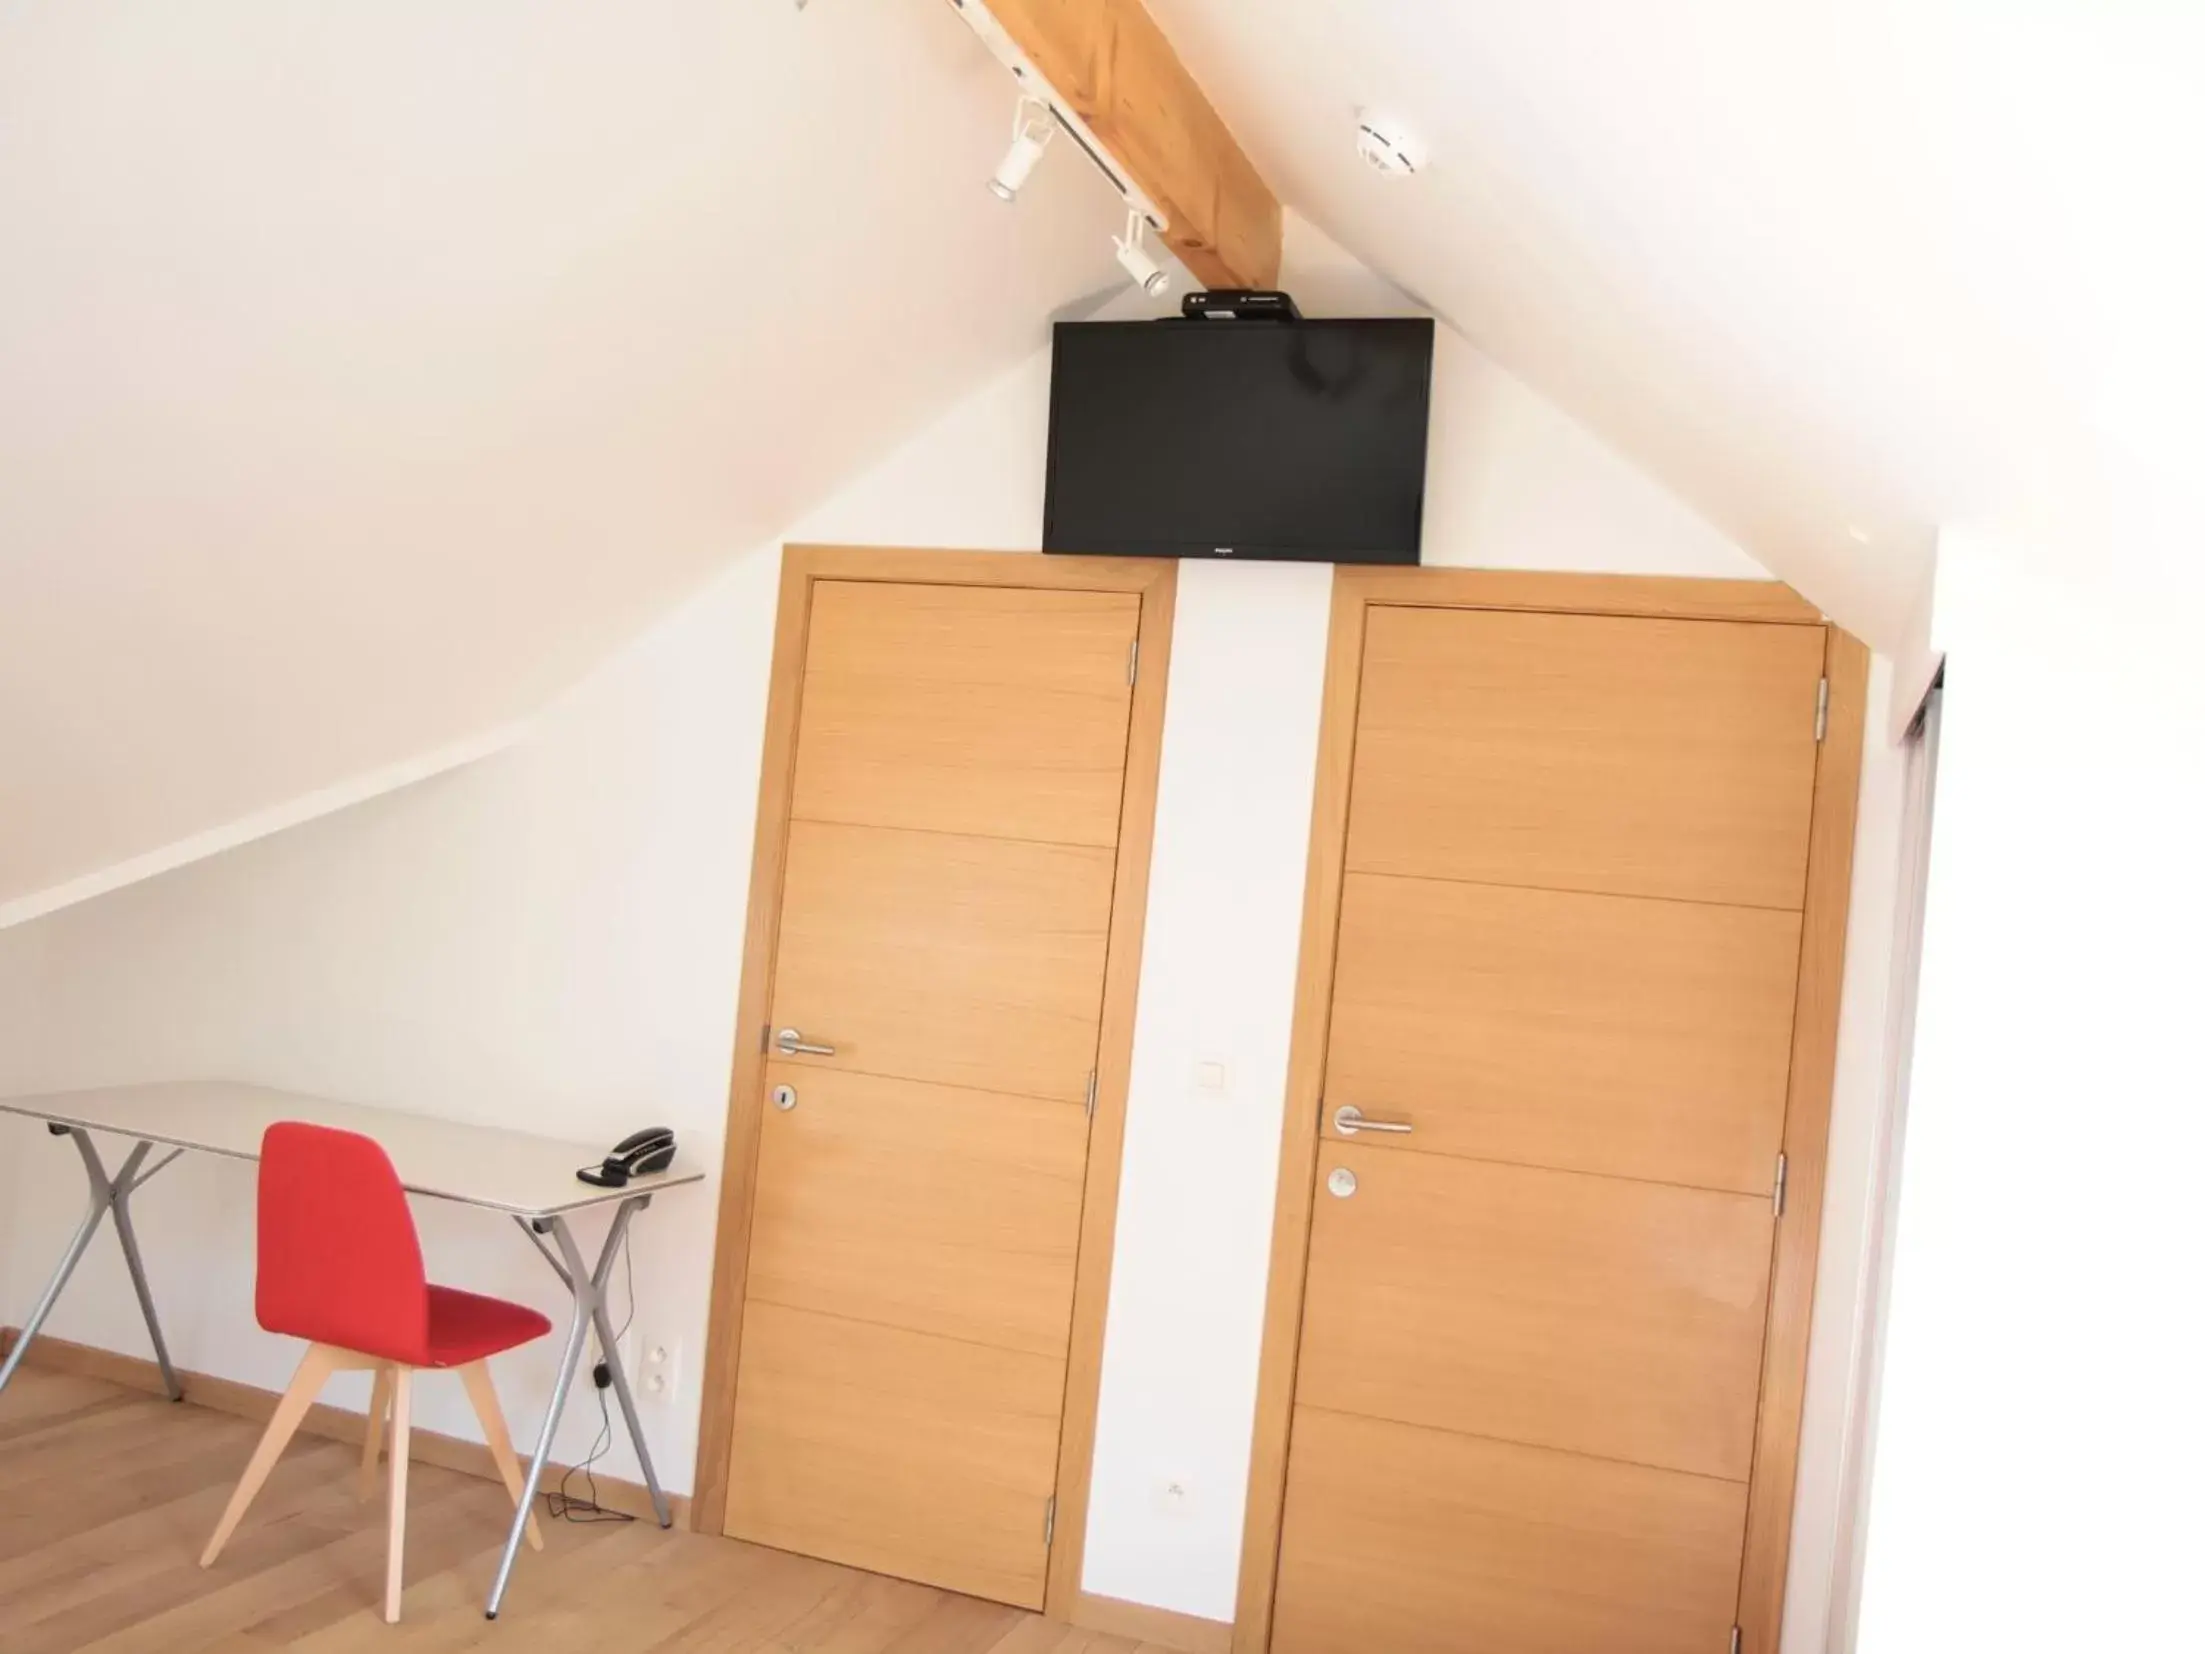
[(1209, 1076)]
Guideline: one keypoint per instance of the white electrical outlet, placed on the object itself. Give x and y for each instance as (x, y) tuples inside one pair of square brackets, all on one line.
[(658, 1369)]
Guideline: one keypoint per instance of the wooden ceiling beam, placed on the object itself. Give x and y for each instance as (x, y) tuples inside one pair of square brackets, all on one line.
[(1113, 66)]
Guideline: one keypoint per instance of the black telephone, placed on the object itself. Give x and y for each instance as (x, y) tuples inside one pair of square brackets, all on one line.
[(635, 1155)]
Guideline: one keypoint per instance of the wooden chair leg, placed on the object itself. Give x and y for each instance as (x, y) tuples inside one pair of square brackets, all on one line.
[(313, 1372), (401, 1451), (476, 1376), (371, 1447)]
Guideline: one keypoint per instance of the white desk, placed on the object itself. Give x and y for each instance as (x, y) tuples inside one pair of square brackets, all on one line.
[(530, 1179)]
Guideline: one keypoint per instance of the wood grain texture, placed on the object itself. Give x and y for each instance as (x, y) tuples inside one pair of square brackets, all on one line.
[(994, 711), (1154, 582), (933, 566), (923, 1207), (1504, 1549), (1637, 1038), (927, 1458), (942, 958), (482, 1396), (129, 1484), (289, 1413), (1115, 67), (323, 1422), (1660, 597), (394, 1514), (1156, 1627), (1587, 752), (1806, 1146), (1298, 1143), (371, 1445), (1595, 1315), (1354, 592)]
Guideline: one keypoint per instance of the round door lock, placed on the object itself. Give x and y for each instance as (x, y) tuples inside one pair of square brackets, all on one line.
[(784, 1097), (1340, 1181)]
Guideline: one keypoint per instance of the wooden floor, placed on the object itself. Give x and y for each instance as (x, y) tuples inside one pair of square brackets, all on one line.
[(107, 1495)]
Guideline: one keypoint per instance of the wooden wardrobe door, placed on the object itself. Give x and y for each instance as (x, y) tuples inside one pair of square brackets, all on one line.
[(1532, 1328), (1643, 1038), (944, 925), (1669, 758)]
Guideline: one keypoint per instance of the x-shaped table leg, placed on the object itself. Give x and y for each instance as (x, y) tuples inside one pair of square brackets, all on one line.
[(588, 1286), (110, 1195)]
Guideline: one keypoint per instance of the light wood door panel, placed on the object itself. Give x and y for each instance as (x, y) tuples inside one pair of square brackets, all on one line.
[(1571, 871), (927, 1458), (967, 709), (955, 960), (1591, 1314), (938, 1210), (914, 1221), (1423, 1542), (1587, 752), (1647, 1039)]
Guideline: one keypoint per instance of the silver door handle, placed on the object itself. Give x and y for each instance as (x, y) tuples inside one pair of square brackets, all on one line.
[(1347, 1120), (790, 1043)]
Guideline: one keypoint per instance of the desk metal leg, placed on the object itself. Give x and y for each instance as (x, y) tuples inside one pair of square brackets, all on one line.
[(108, 1195), (588, 1286)]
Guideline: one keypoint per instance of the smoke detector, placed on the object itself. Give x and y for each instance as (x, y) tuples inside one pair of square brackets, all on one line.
[(1390, 149)]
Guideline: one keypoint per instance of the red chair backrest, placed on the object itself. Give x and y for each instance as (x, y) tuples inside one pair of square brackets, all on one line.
[(340, 1261)]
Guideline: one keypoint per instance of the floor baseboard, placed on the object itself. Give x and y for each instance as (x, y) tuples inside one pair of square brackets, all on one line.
[(1189, 1633), (249, 1401)]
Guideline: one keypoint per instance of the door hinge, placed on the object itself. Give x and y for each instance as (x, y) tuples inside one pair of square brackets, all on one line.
[(1783, 1173), (1091, 1094), (1822, 709), (1133, 662), (1737, 1640), (1049, 1521)]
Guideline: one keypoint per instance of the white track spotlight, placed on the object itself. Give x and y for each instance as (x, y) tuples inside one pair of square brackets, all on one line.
[(1032, 126), (1149, 276)]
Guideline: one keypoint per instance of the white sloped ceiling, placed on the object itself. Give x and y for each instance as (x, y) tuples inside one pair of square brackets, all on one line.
[(1841, 272), (368, 370)]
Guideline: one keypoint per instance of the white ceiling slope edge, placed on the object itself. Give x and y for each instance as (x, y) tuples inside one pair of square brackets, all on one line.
[(356, 789), (1840, 272), (368, 372)]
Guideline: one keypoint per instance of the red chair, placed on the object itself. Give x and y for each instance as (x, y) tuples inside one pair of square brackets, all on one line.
[(340, 1266)]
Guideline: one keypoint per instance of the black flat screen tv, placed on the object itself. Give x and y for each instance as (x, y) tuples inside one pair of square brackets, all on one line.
[(1297, 440)]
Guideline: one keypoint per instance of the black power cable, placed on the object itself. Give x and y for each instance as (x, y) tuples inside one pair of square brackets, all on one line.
[(562, 1502)]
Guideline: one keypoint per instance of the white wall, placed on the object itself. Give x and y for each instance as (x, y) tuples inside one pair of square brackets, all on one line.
[(1881, 1152), (547, 939), (2040, 1438), (1512, 481), (1217, 987), (22, 999), (550, 937), (445, 335), (1857, 1108), (22, 1038)]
